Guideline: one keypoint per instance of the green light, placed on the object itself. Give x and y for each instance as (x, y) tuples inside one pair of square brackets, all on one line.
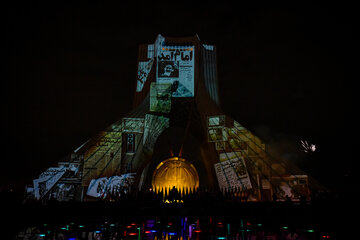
[(45, 224), (112, 225), (284, 227), (81, 226), (310, 230), (63, 228), (221, 238), (259, 225)]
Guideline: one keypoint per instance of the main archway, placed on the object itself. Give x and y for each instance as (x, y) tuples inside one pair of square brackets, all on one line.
[(175, 172)]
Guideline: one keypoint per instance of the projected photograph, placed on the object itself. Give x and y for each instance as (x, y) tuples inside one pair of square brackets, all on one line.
[(216, 134), (160, 97), (238, 144), (154, 126), (168, 69), (291, 186), (214, 121), (220, 145)]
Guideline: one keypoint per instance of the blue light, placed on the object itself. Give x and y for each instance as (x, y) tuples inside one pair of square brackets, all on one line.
[(153, 231), (172, 234), (42, 235), (71, 238), (97, 231)]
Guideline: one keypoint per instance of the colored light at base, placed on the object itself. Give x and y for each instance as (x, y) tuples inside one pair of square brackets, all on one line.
[(310, 230), (81, 226), (221, 237), (132, 234), (285, 227), (42, 235)]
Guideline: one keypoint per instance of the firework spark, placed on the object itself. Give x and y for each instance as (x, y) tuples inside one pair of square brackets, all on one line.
[(308, 148)]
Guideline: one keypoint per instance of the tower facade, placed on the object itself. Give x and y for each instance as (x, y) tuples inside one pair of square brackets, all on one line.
[(175, 136)]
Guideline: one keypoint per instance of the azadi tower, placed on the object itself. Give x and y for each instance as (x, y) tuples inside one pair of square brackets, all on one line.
[(175, 136)]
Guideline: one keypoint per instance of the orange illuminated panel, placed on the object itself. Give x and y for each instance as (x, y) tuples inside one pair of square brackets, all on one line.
[(175, 172)]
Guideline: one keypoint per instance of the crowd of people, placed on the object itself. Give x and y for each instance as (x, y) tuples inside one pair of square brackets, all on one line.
[(211, 196), (315, 208)]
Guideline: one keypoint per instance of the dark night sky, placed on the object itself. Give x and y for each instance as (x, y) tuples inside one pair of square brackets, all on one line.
[(285, 72)]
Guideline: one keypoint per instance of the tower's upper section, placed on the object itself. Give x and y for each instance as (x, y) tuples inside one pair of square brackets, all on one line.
[(175, 68)]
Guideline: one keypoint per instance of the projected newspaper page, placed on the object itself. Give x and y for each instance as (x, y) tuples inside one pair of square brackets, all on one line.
[(175, 65), (231, 171)]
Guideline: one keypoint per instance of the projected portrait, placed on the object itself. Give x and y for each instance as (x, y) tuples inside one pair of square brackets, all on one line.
[(168, 69)]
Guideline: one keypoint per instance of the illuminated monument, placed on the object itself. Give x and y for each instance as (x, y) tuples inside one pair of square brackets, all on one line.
[(175, 136)]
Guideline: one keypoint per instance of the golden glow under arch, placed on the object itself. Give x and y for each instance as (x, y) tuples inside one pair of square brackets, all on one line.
[(175, 172)]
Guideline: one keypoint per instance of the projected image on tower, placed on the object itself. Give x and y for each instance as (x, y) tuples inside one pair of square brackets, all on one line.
[(144, 69), (175, 65), (168, 69), (160, 97)]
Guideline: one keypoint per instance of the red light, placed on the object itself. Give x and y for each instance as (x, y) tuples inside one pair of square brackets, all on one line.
[(132, 234), (248, 224), (129, 226), (197, 231), (170, 224), (325, 236)]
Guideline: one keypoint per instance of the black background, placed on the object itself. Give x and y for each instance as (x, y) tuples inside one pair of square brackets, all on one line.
[(285, 72)]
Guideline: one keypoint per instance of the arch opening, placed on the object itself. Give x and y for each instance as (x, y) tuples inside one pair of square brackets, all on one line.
[(175, 172)]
